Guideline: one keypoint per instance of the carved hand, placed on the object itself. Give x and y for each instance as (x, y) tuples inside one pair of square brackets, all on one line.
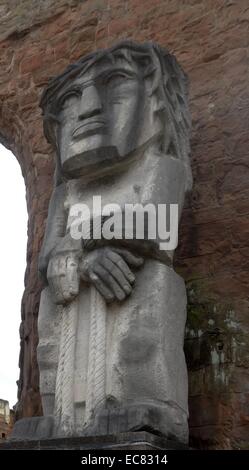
[(63, 277), (109, 270)]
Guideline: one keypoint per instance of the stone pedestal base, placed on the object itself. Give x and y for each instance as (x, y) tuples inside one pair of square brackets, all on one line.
[(123, 441)]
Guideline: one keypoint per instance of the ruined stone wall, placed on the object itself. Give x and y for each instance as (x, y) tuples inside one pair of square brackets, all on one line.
[(6, 420), (210, 39)]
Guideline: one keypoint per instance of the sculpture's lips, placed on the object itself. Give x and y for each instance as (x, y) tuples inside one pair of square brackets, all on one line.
[(88, 127)]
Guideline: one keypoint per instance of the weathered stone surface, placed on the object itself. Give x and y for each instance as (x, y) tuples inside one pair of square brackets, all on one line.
[(210, 39), (123, 441), (110, 350)]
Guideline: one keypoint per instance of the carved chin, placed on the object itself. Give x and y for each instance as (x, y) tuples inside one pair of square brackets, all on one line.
[(89, 159), (97, 153)]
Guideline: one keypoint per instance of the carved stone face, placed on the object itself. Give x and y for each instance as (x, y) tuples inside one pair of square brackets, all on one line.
[(105, 114)]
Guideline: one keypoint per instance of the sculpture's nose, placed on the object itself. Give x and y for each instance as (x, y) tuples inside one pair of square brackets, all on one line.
[(90, 104)]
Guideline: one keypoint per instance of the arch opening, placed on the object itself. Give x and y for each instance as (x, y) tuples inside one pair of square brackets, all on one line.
[(13, 246)]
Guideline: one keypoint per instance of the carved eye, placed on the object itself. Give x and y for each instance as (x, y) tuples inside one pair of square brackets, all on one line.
[(66, 100), (117, 79)]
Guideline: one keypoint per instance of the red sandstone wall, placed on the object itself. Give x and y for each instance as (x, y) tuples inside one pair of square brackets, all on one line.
[(210, 38)]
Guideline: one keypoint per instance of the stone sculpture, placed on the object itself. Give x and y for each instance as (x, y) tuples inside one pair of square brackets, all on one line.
[(112, 317)]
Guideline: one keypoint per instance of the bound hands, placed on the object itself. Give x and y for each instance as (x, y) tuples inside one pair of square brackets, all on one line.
[(108, 269)]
